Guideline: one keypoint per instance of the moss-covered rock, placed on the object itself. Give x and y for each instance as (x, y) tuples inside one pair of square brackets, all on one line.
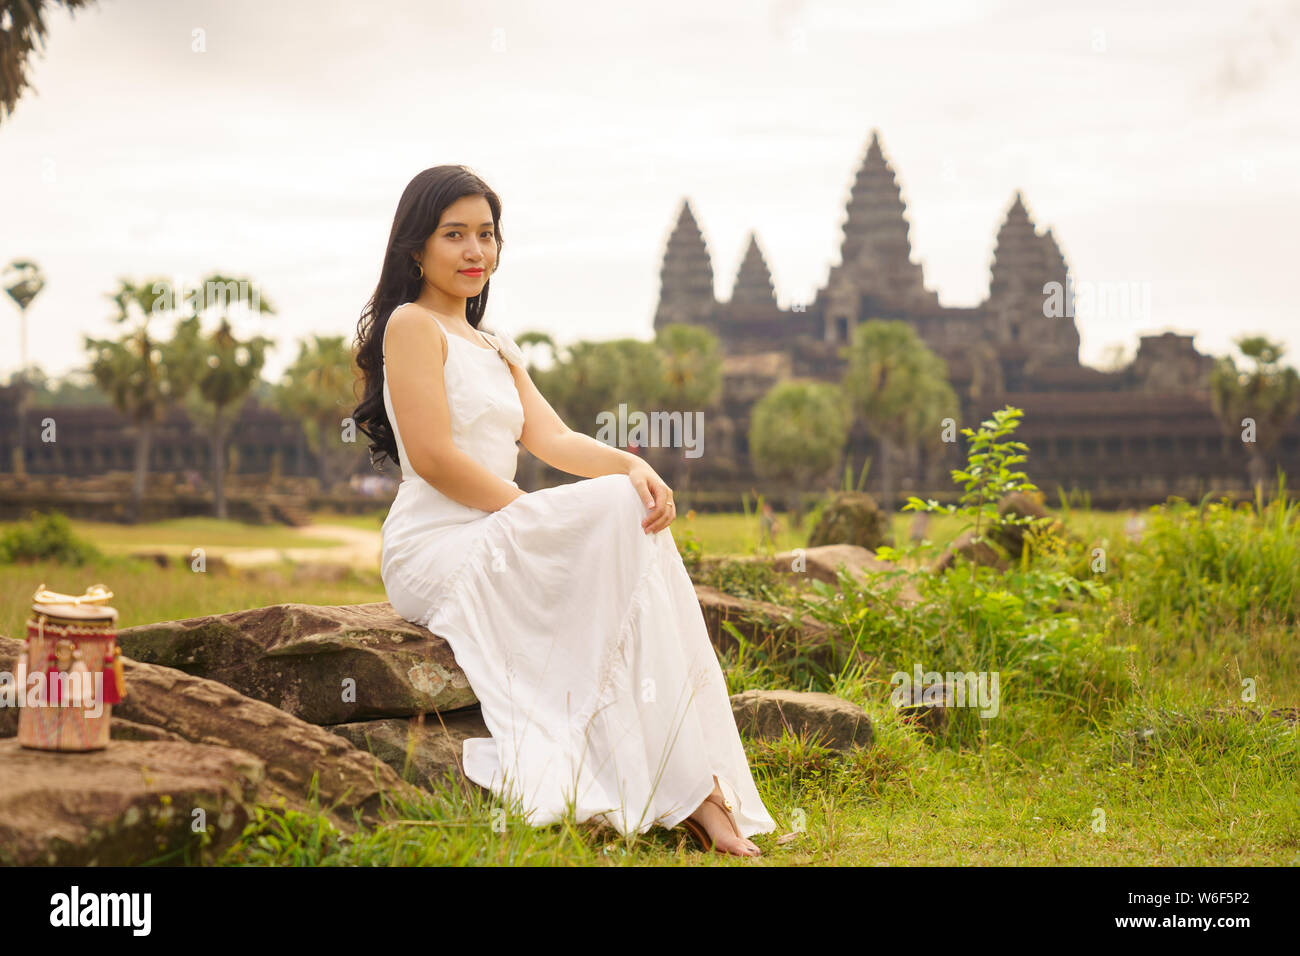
[(852, 517)]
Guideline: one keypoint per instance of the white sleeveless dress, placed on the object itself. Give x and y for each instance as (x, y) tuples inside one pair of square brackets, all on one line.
[(580, 634)]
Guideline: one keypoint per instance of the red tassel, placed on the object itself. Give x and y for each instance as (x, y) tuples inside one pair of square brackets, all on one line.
[(112, 689)]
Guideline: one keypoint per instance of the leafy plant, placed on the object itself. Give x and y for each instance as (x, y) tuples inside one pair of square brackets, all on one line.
[(987, 478), (848, 484), (690, 549)]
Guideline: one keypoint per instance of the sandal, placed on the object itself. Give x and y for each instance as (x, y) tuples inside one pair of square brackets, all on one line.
[(701, 833)]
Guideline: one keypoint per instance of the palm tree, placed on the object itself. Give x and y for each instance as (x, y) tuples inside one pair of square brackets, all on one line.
[(317, 392), (797, 433), (1268, 395), (219, 371), (19, 36), (131, 371), (899, 388), (23, 281), (581, 383), (692, 371), (593, 378)]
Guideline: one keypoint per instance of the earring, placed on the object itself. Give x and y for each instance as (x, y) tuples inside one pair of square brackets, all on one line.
[(420, 273)]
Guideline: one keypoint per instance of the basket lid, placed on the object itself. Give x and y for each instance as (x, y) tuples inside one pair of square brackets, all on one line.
[(74, 607), (76, 612)]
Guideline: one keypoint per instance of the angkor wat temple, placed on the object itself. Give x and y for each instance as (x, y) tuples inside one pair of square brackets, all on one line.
[(1127, 437)]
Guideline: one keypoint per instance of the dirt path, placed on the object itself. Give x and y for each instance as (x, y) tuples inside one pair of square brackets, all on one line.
[(359, 549)]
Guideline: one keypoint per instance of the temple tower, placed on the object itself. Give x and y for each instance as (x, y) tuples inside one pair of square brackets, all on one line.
[(875, 271), (754, 279), (1020, 297), (686, 277)]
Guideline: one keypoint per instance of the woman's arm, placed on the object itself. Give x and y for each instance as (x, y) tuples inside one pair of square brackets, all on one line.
[(414, 366), (461, 478), (586, 457), (548, 438)]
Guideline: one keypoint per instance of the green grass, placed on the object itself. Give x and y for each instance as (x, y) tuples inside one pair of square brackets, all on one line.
[(144, 593), (180, 535), (1115, 745), (737, 533)]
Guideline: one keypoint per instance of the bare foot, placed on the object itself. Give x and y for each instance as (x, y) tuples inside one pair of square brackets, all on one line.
[(717, 822)]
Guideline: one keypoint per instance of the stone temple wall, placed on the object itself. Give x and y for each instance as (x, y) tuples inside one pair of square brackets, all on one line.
[(1126, 437)]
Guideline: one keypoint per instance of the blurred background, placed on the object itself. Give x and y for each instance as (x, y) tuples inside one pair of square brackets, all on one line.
[(739, 214)]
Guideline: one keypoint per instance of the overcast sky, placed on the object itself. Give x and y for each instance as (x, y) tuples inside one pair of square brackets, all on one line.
[(180, 137)]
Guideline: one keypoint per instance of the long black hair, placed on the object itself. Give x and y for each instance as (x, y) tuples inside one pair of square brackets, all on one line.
[(418, 213)]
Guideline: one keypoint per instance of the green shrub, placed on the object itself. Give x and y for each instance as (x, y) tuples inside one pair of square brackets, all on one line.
[(45, 537), (1042, 630), (1218, 562), (747, 579), (1045, 632)]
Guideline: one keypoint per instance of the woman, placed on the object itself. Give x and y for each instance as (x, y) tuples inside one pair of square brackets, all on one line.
[(569, 611)]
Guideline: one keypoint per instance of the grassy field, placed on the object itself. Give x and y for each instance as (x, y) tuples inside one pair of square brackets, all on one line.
[(182, 534), (1116, 741)]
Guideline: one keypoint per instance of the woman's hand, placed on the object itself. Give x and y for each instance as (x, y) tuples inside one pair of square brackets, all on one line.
[(656, 495)]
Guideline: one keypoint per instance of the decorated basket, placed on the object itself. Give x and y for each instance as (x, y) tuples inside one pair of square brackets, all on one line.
[(69, 673)]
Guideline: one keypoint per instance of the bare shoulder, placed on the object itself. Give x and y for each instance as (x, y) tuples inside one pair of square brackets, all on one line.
[(415, 328), (411, 316)]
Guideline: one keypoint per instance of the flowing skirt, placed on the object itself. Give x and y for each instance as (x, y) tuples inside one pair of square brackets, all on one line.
[(584, 641)]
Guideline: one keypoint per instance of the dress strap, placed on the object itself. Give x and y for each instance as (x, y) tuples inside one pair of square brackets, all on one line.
[(490, 344)]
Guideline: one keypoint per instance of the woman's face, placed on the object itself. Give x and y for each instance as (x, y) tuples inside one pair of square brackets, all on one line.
[(465, 239)]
